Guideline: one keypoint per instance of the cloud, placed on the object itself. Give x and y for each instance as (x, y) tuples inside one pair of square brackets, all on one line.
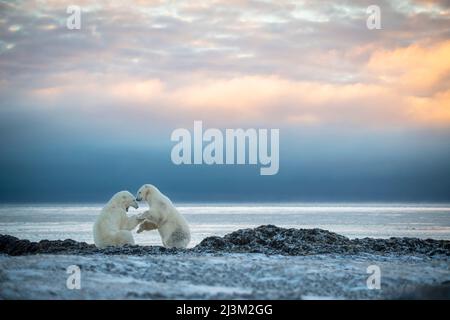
[(407, 87), (416, 69), (249, 62)]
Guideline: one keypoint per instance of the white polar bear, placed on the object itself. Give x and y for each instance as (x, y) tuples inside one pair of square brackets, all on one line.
[(113, 226), (163, 215)]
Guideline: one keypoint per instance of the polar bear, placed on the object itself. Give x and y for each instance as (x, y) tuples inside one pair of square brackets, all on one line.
[(112, 227), (163, 215)]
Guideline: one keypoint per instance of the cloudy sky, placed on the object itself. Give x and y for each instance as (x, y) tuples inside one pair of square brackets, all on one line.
[(363, 114)]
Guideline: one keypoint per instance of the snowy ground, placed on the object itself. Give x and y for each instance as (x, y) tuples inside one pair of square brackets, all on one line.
[(227, 276)]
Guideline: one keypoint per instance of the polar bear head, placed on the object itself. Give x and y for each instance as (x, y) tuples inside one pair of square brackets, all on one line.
[(124, 199), (147, 192)]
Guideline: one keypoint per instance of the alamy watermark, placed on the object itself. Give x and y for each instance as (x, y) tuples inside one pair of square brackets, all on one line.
[(73, 21), (235, 142), (374, 280), (73, 281), (374, 19)]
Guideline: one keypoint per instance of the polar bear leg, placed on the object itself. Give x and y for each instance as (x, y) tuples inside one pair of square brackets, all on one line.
[(147, 226), (132, 222), (124, 237), (151, 214), (178, 239)]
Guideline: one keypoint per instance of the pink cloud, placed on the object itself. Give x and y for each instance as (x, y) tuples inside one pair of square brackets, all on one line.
[(395, 98)]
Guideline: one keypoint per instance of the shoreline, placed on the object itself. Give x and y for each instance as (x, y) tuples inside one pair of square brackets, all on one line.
[(265, 239), (267, 262)]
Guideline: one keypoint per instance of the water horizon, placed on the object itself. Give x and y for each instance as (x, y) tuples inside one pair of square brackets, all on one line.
[(355, 220)]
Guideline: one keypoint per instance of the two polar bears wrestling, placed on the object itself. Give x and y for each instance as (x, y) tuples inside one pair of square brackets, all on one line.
[(113, 226)]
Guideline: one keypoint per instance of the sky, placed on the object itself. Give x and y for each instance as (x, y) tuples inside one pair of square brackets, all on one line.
[(364, 115)]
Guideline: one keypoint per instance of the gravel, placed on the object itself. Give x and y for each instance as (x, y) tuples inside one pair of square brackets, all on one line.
[(266, 262), (267, 239)]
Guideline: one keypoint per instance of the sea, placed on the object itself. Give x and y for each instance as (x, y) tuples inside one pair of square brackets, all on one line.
[(354, 220)]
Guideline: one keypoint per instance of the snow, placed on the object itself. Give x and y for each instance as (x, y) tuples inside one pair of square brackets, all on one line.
[(217, 276)]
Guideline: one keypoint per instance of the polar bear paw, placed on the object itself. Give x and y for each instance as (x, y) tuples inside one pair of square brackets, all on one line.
[(147, 226)]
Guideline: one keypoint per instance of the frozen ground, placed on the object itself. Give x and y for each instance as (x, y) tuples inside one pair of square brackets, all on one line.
[(222, 276), (267, 262)]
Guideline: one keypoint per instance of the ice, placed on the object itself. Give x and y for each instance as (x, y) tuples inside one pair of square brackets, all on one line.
[(227, 276), (75, 221)]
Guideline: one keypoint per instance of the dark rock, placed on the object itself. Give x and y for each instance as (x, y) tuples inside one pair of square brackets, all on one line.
[(268, 239), (214, 244)]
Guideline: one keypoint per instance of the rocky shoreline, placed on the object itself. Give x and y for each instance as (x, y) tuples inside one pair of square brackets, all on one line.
[(266, 239), (266, 262)]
